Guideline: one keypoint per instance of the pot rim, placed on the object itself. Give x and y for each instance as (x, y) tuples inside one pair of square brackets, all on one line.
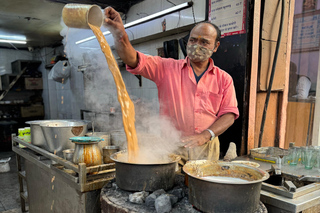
[(42, 122), (113, 157), (263, 172), (65, 123)]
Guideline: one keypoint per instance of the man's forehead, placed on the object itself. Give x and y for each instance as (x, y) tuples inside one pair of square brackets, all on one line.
[(203, 29)]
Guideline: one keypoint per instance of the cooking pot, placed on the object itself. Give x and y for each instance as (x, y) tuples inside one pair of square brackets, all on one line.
[(144, 177), (224, 187)]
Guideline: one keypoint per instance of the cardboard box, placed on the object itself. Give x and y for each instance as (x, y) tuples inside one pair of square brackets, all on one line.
[(33, 83), (32, 111)]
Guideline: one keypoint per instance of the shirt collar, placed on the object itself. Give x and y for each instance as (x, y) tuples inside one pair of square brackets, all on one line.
[(211, 67)]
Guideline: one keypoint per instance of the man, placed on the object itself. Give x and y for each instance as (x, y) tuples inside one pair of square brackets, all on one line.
[(197, 96)]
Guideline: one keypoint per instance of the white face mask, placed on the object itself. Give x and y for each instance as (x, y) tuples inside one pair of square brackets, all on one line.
[(198, 53)]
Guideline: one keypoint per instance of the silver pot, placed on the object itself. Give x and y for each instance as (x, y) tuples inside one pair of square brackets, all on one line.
[(234, 187), (144, 177), (37, 137), (58, 132), (108, 151)]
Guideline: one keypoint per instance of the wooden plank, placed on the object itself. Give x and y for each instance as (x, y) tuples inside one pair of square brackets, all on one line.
[(297, 123), (271, 20), (267, 56), (254, 75), (269, 134), (269, 36), (284, 100), (316, 122)]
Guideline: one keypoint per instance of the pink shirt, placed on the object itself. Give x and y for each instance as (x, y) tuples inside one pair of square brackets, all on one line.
[(192, 107)]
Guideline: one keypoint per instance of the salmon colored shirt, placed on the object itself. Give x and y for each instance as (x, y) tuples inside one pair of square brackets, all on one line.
[(191, 107)]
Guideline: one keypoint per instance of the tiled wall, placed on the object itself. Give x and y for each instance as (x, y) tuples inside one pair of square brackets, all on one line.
[(94, 89), (9, 55), (62, 101)]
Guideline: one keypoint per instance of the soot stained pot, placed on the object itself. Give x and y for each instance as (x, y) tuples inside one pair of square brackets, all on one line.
[(234, 187), (144, 177), (87, 150)]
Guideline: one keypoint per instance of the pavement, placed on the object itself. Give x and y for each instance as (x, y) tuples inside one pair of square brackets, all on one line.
[(9, 186)]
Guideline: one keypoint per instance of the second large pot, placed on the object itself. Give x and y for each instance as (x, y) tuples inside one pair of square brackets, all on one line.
[(234, 187), (144, 177)]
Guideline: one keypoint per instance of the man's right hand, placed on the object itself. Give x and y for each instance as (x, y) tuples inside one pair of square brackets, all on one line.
[(114, 22), (123, 46)]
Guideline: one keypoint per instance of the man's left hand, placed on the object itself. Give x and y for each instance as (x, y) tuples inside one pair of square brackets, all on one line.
[(196, 140)]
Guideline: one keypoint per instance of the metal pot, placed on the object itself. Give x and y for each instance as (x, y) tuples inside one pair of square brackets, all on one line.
[(224, 195), (58, 132), (37, 137), (108, 151), (144, 177), (87, 151)]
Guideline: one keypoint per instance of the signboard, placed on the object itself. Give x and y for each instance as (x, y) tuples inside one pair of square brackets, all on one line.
[(228, 15), (306, 32)]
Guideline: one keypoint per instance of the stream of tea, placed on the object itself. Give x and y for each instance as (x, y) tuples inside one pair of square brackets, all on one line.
[(127, 106)]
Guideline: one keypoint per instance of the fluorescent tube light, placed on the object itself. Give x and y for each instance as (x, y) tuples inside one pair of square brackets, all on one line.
[(147, 18), (12, 41)]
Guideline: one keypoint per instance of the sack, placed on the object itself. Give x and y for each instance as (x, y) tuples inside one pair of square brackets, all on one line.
[(60, 72)]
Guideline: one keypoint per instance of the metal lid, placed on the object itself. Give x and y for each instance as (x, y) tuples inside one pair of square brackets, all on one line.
[(85, 139)]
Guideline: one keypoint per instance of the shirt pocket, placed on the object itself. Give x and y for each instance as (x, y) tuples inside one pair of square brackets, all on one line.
[(213, 102)]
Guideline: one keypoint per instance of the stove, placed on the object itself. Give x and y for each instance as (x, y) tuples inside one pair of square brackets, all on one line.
[(114, 199)]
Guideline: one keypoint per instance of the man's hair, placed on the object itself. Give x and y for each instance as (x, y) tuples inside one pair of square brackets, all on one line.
[(215, 27)]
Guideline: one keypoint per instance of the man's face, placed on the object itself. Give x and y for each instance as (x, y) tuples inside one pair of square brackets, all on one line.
[(202, 43), (205, 35)]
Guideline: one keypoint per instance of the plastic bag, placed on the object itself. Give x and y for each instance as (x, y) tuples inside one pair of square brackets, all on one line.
[(4, 165), (60, 72)]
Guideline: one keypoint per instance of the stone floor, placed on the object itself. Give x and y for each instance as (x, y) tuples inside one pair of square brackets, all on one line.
[(9, 186)]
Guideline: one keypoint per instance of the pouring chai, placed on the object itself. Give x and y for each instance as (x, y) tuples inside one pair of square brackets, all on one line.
[(90, 16), (127, 106)]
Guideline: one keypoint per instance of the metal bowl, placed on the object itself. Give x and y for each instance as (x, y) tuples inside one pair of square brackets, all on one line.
[(68, 154), (58, 132)]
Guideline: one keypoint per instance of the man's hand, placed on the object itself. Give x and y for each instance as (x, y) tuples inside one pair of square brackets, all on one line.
[(123, 46), (113, 22), (196, 140)]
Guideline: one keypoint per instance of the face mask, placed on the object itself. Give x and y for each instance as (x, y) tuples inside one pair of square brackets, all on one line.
[(198, 53)]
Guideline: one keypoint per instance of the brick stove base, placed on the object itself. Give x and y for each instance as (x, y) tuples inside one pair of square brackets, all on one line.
[(116, 200)]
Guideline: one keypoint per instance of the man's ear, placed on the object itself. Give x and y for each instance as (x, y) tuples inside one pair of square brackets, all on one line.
[(216, 46)]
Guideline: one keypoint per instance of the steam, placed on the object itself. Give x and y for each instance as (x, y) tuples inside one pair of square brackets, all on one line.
[(157, 137)]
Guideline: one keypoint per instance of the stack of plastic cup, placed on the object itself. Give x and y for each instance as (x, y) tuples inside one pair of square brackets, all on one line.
[(27, 134), (21, 136)]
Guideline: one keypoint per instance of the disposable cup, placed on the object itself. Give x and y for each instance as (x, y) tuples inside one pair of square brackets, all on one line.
[(80, 15)]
